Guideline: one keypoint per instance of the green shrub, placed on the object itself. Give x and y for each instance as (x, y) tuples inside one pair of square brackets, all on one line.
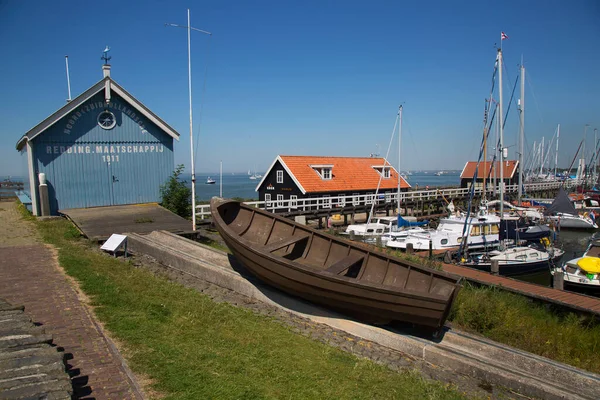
[(176, 196)]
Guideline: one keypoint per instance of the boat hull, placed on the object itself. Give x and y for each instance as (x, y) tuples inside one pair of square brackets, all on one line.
[(515, 268), (583, 288), (377, 291)]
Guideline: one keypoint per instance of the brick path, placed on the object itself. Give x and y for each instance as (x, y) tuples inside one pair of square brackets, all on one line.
[(30, 275)]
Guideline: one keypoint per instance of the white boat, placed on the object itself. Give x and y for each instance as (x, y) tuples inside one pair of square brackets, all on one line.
[(582, 274), (482, 231), (517, 260), (564, 215), (533, 213), (254, 175), (210, 181), (370, 231)]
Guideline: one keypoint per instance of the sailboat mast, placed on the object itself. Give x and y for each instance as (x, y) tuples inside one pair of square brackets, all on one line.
[(485, 169), (522, 132), (595, 152), (542, 156), (494, 163), (399, 152), (500, 118), (556, 155)]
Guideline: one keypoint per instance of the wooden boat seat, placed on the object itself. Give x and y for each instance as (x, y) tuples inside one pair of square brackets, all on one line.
[(345, 263), (284, 243)]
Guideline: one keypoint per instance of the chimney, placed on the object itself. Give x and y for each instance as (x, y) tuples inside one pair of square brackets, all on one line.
[(106, 70)]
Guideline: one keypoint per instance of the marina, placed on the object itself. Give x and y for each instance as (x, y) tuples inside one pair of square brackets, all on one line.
[(324, 258)]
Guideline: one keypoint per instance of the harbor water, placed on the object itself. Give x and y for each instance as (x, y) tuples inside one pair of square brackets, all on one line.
[(240, 185)]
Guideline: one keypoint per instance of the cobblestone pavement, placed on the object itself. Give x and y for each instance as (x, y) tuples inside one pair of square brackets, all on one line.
[(30, 275)]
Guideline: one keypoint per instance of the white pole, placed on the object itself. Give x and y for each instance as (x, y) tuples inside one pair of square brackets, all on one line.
[(494, 169), (595, 151), (193, 167), (522, 132), (221, 178), (556, 155), (542, 156), (68, 78), (191, 125), (399, 154), (584, 165), (500, 117)]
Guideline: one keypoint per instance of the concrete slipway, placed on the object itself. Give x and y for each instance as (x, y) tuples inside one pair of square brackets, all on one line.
[(477, 357)]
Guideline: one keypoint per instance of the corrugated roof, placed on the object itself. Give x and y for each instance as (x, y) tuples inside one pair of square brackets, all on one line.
[(348, 173), (485, 170)]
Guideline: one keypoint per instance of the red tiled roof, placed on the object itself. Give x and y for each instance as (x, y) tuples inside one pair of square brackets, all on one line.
[(348, 173), (485, 170)]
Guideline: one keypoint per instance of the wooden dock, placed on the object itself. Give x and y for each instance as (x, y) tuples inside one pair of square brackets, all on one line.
[(562, 298)]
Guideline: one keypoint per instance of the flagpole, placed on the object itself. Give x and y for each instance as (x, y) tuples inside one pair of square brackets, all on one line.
[(190, 28)]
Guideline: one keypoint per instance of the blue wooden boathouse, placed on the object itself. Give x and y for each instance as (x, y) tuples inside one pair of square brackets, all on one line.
[(103, 148)]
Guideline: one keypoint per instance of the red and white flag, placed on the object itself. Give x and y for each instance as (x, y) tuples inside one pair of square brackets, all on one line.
[(503, 35)]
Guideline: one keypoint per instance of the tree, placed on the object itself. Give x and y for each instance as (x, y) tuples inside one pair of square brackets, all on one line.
[(176, 196)]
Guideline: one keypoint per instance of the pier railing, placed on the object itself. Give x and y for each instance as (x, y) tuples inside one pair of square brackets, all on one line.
[(328, 202)]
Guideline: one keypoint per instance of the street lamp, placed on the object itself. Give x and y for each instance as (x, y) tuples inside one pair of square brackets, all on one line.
[(189, 29)]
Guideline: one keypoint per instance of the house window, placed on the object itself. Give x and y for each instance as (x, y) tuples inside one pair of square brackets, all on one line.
[(294, 201), (326, 173), (279, 176), (342, 200), (267, 200), (279, 200), (326, 202), (370, 198), (355, 199)]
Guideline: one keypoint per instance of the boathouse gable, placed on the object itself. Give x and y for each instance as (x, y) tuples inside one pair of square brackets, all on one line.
[(95, 152), (279, 183)]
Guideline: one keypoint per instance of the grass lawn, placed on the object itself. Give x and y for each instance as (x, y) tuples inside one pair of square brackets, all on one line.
[(193, 348)]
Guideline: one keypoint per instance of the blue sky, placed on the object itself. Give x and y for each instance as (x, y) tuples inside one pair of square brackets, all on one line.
[(311, 77)]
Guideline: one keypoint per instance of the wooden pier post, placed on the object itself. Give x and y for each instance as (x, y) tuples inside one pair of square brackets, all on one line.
[(558, 280), (409, 248), (495, 267), (430, 249)]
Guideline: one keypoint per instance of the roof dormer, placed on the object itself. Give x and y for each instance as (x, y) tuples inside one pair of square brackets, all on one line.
[(383, 170), (324, 171)]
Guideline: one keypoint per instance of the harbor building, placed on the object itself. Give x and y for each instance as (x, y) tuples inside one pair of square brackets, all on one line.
[(490, 172), (303, 177), (102, 148)]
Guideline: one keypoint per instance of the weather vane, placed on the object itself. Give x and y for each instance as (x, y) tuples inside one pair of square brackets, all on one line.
[(105, 55)]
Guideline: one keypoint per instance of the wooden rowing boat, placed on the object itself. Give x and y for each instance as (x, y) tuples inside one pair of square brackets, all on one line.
[(340, 274)]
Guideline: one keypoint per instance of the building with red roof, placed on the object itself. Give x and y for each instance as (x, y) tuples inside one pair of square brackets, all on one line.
[(489, 171), (301, 177)]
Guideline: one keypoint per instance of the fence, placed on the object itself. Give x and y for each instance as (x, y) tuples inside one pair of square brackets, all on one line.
[(324, 203)]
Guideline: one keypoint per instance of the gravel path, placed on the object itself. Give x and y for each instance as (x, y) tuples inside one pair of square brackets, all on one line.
[(14, 231)]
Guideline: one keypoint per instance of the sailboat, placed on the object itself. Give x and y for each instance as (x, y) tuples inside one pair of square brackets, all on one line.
[(387, 228), (523, 248), (563, 214), (255, 175)]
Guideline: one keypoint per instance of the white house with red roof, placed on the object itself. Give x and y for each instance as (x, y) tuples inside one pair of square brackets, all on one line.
[(347, 178)]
